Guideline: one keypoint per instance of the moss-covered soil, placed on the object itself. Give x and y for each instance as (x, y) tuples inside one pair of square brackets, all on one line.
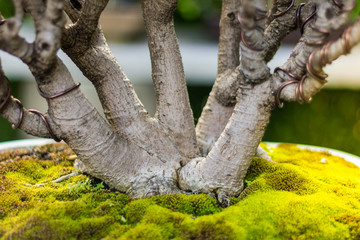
[(305, 195)]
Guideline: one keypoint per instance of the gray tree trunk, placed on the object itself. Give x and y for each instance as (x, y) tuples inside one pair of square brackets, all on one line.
[(143, 155)]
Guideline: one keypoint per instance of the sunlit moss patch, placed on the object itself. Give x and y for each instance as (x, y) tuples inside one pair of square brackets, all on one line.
[(303, 195)]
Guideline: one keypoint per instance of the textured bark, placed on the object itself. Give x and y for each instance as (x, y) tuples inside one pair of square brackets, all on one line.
[(172, 101), (219, 106), (225, 166), (222, 98), (143, 155), (121, 106)]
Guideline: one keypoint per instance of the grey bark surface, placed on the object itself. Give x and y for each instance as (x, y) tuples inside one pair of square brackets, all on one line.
[(172, 100), (142, 155)]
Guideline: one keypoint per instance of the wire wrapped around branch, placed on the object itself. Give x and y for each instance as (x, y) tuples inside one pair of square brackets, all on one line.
[(60, 93), (315, 77), (299, 90), (252, 21), (286, 10), (21, 116), (45, 121)]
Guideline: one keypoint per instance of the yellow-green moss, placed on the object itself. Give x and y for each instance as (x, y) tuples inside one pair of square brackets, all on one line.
[(304, 195), (197, 205)]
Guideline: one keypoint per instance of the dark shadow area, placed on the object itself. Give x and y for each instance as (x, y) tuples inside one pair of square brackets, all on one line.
[(6, 131)]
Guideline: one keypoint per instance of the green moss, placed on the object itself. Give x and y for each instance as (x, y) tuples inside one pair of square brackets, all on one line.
[(197, 204), (211, 227), (169, 222), (144, 231), (352, 220), (298, 197), (136, 210), (257, 167), (41, 226)]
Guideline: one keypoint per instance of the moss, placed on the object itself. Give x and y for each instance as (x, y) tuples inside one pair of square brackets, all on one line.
[(352, 221), (197, 204), (257, 167), (40, 226), (284, 215), (169, 222), (211, 227), (136, 210), (268, 176), (299, 197), (144, 231)]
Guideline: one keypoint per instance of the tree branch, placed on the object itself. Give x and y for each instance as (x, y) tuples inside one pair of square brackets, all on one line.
[(99, 65), (218, 109), (228, 55), (12, 110), (220, 103), (78, 35), (49, 24), (316, 30), (280, 24), (315, 77), (10, 41), (227, 162), (252, 15), (173, 106), (278, 9), (126, 115), (222, 98), (53, 78)]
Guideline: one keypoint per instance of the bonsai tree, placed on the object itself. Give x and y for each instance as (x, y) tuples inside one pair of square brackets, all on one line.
[(142, 155)]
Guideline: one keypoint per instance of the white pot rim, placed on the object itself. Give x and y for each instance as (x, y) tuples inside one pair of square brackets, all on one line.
[(347, 156), (42, 141), (24, 143)]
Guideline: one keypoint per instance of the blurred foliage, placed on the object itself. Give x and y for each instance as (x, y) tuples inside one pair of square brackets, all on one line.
[(197, 10), (202, 10), (6, 131), (356, 12), (332, 120), (6, 8)]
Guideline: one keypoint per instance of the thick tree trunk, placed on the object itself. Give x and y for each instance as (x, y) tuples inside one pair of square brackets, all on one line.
[(224, 168)]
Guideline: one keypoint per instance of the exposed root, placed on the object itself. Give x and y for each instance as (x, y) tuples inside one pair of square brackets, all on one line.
[(66, 177), (58, 180), (261, 153), (156, 185), (223, 199)]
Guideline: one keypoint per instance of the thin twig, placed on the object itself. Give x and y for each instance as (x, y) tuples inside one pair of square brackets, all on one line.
[(58, 180)]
